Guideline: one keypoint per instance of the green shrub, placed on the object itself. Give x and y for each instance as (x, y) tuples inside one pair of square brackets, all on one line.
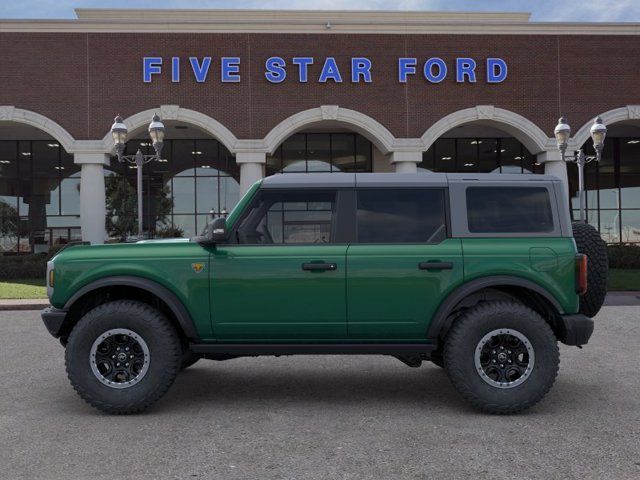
[(23, 266), (33, 265), (169, 232), (624, 256)]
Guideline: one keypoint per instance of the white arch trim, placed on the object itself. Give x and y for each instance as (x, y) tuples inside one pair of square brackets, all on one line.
[(629, 112), (521, 128), (177, 113), (382, 138), (9, 113)]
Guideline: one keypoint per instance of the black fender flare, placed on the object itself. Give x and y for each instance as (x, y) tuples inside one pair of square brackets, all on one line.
[(439, 320), (167, 296)]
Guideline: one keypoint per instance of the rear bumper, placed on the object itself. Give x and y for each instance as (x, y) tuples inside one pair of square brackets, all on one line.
[(54, 320), (575, 329)]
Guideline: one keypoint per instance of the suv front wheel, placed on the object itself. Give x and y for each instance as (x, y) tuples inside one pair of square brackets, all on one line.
[(502, 357), (122, 356)]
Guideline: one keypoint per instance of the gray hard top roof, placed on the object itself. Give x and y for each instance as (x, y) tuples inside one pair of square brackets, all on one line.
[(421, 179)]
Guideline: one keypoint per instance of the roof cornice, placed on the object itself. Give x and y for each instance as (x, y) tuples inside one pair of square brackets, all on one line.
[(305, 22)]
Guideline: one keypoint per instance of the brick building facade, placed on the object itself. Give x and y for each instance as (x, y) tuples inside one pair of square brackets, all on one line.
[(249, 93)]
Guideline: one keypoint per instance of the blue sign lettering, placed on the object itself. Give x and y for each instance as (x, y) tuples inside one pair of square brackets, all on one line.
[(496, 70), (230, 69), (275, 69), (303, 67), (330, 71), (406, 66), (465, 67), (151, 66), (428, 70), (200, 71), (360, 67), (435, 69), (175, 69)]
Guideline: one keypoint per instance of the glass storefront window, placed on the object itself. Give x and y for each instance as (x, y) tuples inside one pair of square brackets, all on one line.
[(39, 196), (207, 195), (322, 152), (364, 154), (612, 189), (483, 155), (193, 179), (630, 172), (467, 154), (445, 155), (8, 160), (489, 153), (318, 152), (294, 154), (630, 224)]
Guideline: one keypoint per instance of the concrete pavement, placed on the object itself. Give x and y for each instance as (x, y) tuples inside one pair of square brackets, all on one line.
[(334, 417)]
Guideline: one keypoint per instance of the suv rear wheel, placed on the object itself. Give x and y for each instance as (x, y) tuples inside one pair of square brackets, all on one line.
[(502, 357), (122, 356)]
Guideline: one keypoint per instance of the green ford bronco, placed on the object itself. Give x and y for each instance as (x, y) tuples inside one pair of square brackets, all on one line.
[(481, 274)]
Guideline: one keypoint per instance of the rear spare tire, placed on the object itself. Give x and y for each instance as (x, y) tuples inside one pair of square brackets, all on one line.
[(589, 242)]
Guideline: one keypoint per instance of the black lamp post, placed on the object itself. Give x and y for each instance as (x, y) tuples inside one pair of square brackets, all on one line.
[(562, 133), (156, 132)]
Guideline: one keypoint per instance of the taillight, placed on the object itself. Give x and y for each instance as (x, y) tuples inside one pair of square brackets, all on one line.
[(581, 274)]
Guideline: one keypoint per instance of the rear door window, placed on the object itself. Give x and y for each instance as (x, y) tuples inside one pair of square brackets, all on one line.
[(509, 210), (390, 215)]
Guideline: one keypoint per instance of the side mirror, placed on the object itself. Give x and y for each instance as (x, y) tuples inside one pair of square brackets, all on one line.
[(216, 232)]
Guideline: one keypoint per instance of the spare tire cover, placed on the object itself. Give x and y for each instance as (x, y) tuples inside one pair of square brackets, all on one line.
[(589, 242)]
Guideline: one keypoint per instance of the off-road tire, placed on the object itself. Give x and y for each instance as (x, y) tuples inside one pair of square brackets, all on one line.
[(188, 359), (589, 242), (437, 359), (152, 326), (464, 338)]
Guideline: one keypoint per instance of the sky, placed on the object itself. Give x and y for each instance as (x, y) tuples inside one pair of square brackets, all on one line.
[(542, 10)]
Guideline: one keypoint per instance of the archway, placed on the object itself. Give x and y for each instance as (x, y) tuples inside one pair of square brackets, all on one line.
[(612, 185), (480, 140), (39, 184), (173, 113), (328, 139), (517, 126), (196, 178)]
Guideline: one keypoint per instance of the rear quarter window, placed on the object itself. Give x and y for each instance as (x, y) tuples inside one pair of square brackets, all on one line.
[(509, 210)]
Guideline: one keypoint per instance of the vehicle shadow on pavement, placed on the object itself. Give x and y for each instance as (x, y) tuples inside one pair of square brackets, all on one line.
[(206, 383)]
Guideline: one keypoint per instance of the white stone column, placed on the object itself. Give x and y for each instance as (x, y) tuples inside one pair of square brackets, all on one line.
[(553, 165), (406, 161), (251, 168), (93, 208)]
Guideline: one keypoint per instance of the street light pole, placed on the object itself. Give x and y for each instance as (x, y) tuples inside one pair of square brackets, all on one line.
[(139, 159), (156, 132), (562, 133), (581, 161)]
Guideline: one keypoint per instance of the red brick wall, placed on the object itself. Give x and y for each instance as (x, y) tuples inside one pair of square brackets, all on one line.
[(82, 80)]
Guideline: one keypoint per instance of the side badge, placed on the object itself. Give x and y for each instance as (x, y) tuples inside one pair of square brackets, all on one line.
[(197, 267)]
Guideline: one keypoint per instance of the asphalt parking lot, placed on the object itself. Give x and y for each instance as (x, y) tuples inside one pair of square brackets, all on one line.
[(333, 417)]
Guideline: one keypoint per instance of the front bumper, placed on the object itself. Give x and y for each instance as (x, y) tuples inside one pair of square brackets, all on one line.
[(575, 329), (54, 320)]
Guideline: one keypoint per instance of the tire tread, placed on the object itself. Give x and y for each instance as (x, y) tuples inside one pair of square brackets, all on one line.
[(458, 377), (162, 326)]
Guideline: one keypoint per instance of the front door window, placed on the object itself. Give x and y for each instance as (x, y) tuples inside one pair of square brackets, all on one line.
[(289, 218)]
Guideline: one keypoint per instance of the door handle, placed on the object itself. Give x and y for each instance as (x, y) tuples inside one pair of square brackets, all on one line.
[(319, 267), (435, 265)]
